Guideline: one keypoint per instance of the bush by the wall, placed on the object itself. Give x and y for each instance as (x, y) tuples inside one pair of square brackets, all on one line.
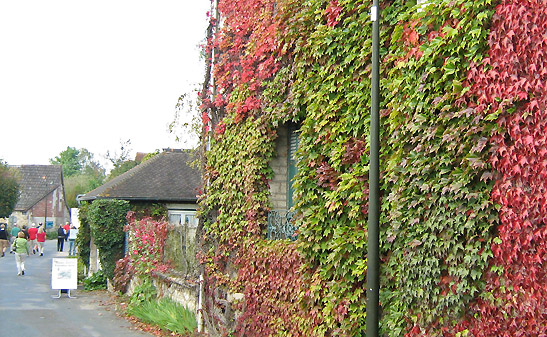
[(107, 219), (83, 239)]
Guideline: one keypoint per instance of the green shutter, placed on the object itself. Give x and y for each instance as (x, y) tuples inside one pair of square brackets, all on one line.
[(292, 170)]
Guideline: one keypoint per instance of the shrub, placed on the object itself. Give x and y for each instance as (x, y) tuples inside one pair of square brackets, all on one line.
[(84, 234), (97, 281), (107, 220)]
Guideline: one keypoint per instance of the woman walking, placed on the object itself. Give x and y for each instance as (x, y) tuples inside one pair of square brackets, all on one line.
[(20, 247), (41, 237)]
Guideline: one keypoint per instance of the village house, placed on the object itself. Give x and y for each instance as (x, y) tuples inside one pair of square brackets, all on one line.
[(42, 197), (167, 179)]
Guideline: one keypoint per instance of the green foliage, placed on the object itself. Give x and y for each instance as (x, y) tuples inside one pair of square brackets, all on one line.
[(97, 281), (122, 168), (70, 161), (52, 235), (83, 240), (9, 190), (120, 160), (149, 209), (166, 314), (81, 173), (78, 161), (107, 219), (438, 216), (438, 219), (80, 184), (143, 292)]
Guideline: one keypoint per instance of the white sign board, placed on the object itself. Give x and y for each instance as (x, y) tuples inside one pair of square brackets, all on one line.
[(74, 219), (64, 274)]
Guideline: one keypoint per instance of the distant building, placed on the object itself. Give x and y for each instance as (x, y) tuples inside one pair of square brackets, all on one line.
[(42, 196)]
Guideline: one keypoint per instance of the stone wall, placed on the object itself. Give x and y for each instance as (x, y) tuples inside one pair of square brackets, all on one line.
[(279, 164), (182, 291)]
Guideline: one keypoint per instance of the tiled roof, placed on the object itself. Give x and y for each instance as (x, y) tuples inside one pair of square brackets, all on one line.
[(165, 177), (37, 181)]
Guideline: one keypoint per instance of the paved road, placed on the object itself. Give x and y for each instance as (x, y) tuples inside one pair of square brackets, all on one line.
[(28, 309)]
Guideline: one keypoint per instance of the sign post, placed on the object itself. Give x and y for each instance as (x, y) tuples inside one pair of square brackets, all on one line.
[(64, 275)]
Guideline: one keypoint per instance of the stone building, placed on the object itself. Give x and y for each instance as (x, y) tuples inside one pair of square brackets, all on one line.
[(42, 196)]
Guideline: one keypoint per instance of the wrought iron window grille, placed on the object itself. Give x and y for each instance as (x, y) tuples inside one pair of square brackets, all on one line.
[(281, 225)]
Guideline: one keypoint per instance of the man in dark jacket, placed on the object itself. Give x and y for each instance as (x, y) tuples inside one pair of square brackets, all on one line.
[(61, 236), (4, 243)]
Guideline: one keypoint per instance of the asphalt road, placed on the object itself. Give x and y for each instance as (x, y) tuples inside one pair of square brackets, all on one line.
[(28, 309)]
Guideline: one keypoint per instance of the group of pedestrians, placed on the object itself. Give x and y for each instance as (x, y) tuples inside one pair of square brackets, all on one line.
[(22, 242), (67, 233)]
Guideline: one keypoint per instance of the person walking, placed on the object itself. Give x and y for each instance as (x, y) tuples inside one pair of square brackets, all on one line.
[(24, 229), (33, 245), (14, 231), (20, 246), (61, 237), (4, 243), (41, 238), (72, 234)]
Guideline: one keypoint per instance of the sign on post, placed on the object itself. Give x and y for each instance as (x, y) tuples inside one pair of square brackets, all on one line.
[(64, 274)]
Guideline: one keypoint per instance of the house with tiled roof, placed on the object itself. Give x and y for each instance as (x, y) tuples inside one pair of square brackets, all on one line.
[(42, 196), (167, 178)]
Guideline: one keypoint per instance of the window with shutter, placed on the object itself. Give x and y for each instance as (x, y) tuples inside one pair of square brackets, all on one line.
[(292, 169)]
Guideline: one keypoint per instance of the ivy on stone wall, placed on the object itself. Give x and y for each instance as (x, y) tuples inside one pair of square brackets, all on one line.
[(83, 240), (107, 221), (439, 219), (462, 187)]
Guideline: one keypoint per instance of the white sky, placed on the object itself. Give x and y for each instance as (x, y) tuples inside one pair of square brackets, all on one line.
[(89, 74)]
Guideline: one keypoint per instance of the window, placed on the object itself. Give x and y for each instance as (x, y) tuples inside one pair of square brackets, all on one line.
[(280, 219), (292, 170), (187, 218), (180, 248)]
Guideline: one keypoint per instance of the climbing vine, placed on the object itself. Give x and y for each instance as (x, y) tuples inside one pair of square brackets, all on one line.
[(107, 220), (463, 131), (510, 86)]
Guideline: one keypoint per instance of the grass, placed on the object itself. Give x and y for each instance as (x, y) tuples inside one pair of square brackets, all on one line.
[(166, 314)]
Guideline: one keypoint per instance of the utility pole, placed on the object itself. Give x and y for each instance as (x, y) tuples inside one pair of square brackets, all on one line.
[(373, 255), (45, 207)]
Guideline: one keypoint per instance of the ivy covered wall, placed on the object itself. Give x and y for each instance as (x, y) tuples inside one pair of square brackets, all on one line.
[(463, 167)]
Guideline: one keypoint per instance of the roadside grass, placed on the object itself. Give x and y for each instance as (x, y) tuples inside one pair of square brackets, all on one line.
[(166, 314)]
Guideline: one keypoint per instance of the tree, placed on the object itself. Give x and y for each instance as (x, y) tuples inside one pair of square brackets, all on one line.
[(82, 173), (120, 160), (9, 190), (78, 161), (70, 160)]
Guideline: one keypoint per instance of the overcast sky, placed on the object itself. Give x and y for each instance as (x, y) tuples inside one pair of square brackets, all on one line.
[(89, 74)]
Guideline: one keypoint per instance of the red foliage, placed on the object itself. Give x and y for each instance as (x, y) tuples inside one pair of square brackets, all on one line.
[(332, 13), (515, 75), (146, 242), (272, 283), (327, 176), (249, 51)]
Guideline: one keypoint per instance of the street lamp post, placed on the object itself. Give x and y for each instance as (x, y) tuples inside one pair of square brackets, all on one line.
[(45, 207), (373, 255)]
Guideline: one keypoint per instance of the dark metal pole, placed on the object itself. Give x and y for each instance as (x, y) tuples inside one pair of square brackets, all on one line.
[(373, 256), (45, 208)]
